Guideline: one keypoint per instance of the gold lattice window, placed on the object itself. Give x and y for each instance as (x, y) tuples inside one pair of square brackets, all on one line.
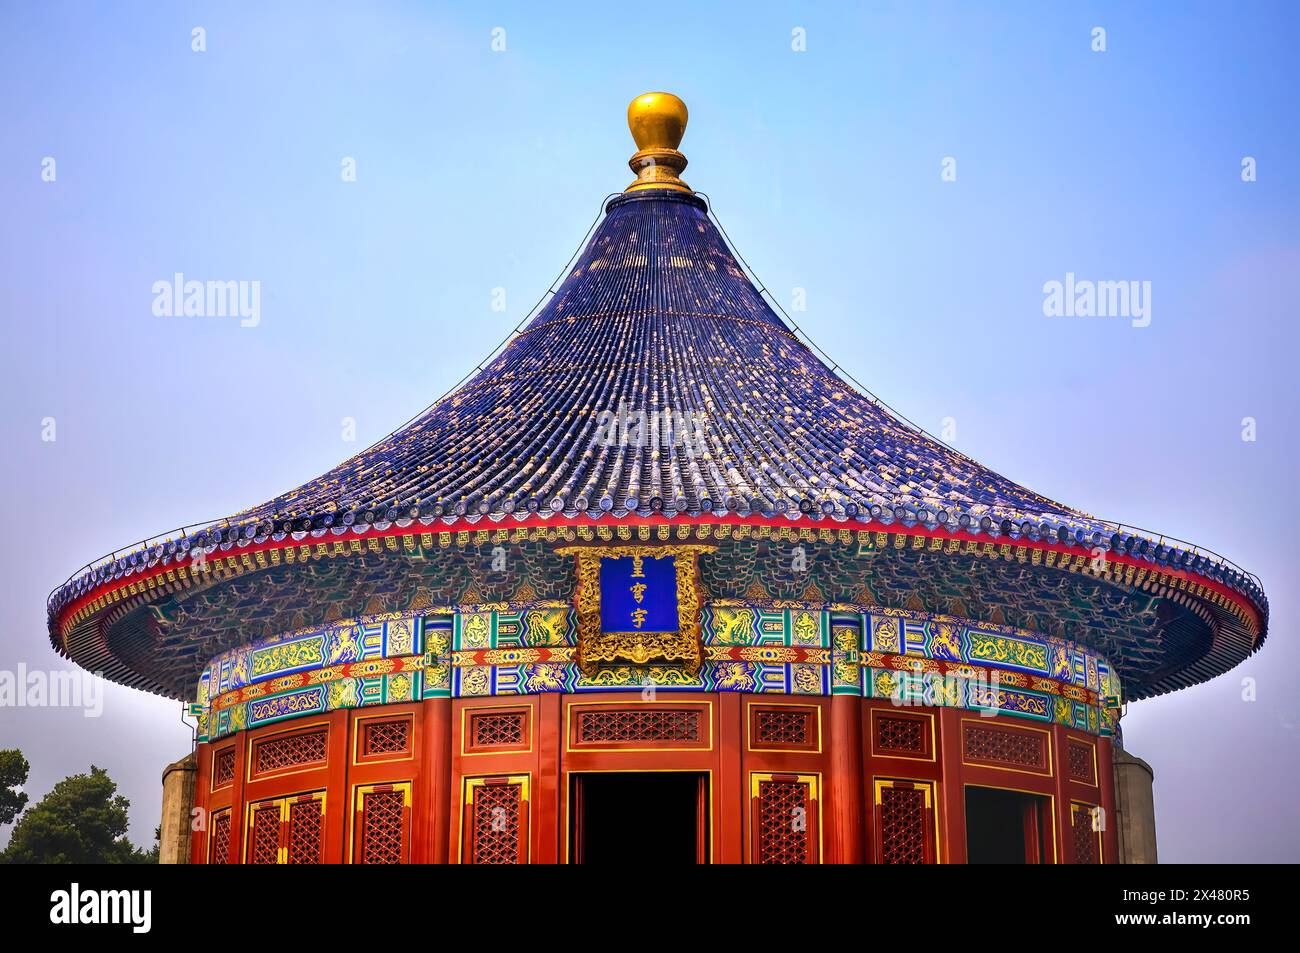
[(905, 831), (496, 820), (306, 830), (901, 734), (383, 824), (1079, 762), (784, 818), (219, 835), (784, 726), (1085, 833), (223, 767), (287, 830), (990, 744), (497, 729), (385, 737), (618, 725), (281, 752), (264, 833)]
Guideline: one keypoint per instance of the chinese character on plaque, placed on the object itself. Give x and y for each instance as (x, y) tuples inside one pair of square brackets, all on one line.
[(638, 604)]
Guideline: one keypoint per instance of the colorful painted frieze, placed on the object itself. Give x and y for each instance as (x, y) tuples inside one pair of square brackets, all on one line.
[(911, 658)]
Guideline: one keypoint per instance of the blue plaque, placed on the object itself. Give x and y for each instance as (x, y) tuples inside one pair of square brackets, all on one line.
[(638, 594)]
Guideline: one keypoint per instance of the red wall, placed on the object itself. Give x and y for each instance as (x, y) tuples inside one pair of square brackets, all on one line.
[(838, 757)]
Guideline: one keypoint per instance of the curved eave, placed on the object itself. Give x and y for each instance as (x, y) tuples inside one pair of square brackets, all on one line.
[(1238, 622)]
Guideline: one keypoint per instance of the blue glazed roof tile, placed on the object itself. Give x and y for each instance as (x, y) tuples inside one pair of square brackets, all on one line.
[(658, 322), (657, 316)]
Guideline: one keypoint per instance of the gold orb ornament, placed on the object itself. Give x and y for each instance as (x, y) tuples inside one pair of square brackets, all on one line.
[(657, 122)]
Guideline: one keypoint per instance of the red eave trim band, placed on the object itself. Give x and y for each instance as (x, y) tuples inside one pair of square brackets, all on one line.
[(536, 522)]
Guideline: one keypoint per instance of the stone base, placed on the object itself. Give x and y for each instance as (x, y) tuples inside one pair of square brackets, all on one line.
[(177, 805), (1135, 808)]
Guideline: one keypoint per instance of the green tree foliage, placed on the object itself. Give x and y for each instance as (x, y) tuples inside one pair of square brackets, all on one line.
[(82, 821), (13, 775), (151, 855)]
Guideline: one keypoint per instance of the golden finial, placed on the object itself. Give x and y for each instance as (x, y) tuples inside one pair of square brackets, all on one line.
[(658, 122)]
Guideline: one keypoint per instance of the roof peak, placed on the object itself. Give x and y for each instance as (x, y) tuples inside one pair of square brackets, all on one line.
[(657, 122)]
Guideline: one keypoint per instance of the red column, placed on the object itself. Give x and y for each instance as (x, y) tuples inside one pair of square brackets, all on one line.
[(732, 789), (437, 778), (202, 785), (338, 803), (1064, 817), (546, 806), (846, 809), (237, 816), (952, 799), (1106, 785)]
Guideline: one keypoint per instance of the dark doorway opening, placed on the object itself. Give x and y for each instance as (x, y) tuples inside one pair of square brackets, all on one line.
[(661, 816), (1005, 827)]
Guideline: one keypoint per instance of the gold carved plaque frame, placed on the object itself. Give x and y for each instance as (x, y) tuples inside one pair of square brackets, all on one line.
[(638, 648)]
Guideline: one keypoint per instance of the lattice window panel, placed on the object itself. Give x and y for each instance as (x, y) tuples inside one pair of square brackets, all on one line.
[(790, 727), (223, 767), (903, 818), (498, 729), (264, 834), (1021, 749), (290, 751), (288, 830), (383, 826), (386, 737), (494, 824), (1084, 838), (306, 830), (784, 822), (219, 851), (1078, 759), (610, 726), (901, 735)]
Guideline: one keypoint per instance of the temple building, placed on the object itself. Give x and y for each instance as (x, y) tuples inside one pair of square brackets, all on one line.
[(657, 580)]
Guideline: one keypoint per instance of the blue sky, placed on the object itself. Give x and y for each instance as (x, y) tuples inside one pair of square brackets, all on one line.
[(479, 169)]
